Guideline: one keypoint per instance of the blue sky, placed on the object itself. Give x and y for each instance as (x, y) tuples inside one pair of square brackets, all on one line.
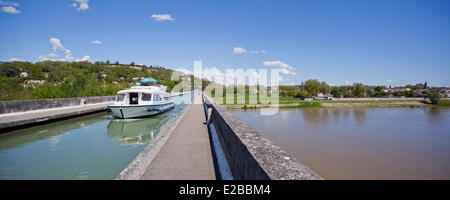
[(340, 42)]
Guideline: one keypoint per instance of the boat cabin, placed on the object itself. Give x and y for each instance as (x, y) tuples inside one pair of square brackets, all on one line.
[(142, 95)]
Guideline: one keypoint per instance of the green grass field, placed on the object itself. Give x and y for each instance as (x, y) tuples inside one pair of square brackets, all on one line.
[(255, 99), (444, 102)]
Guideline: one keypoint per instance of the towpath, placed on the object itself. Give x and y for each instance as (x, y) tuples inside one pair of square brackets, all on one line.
[(28, 118), (186, 154)]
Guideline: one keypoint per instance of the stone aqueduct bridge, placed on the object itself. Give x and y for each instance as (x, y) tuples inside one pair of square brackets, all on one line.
[(202, 141)]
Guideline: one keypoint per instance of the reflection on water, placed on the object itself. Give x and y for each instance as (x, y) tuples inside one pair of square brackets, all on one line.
[(91, 147), (23, 137), (137, 131), (362, 143)]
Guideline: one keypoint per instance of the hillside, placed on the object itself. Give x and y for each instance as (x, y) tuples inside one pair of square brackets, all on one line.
[(56, 79)]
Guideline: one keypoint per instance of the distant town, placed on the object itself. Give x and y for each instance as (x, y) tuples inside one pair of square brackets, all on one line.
[(318, 90)]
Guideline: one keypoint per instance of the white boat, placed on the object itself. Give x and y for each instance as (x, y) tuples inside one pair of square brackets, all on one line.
[(141, 101)]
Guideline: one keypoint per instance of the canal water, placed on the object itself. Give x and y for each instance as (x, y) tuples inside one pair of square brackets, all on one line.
[(91, 147), (362, 143)]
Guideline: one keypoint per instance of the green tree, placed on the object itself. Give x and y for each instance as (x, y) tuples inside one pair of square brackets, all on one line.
[(292, 93), (359, 90), (406, 93), (312, 86), (303, 94), (324, 88), (434, 95), (336, 92), (379, 91), (47, 92), (346, 92), (37, 73)]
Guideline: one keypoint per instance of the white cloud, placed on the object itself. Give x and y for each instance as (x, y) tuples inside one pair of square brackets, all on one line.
[(162, 17), (50, 56), (84, 58), (389, 81), (68, 55), (348, 82), (57, 45), (239, 50), (14, 59), (96, 42), (8, 3), (10, 9), (81, 5), (284, 68)]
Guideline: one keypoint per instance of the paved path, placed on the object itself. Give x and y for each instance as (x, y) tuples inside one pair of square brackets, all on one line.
[(12, 120), (187, 153)]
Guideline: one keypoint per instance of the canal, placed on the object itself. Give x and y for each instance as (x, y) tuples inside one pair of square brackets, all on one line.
[(92, 147), (362, 143)]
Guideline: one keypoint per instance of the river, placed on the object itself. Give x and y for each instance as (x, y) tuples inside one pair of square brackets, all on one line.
[(362, 143), (91, 147)]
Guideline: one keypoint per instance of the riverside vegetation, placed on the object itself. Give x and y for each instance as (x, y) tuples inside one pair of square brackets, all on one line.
[(57, 79)]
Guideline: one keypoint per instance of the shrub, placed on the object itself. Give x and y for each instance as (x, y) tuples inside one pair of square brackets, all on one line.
[(434, 96)]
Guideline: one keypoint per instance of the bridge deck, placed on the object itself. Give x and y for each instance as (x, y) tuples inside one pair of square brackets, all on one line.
[(187, 153)]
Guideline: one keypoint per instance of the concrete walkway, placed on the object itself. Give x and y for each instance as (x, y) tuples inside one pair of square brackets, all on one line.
[(12, 120), (186, 155)]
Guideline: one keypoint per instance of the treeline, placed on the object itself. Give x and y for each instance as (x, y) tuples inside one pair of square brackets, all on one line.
[(56, 79), (314, 88)]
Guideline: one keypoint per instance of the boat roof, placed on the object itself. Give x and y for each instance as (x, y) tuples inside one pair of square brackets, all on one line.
[(142, 89)]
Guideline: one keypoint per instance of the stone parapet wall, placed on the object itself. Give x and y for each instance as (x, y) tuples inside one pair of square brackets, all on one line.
[(250, 155), (28, 105)]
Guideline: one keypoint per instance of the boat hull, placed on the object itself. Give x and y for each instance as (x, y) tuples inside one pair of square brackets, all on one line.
[(135, 111)]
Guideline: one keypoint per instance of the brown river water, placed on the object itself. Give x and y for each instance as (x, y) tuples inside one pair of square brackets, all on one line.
[(362, 143)]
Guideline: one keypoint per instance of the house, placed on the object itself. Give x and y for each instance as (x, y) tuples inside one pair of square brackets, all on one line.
[(36, 82), (394, 91), (323, 96), (420, 92), (445, 92), (33, 83), (24, 74)]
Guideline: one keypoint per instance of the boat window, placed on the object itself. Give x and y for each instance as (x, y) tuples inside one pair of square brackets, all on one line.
[(146, 97), (157, 98), (120, 97), (166, 98), (134, 98)]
